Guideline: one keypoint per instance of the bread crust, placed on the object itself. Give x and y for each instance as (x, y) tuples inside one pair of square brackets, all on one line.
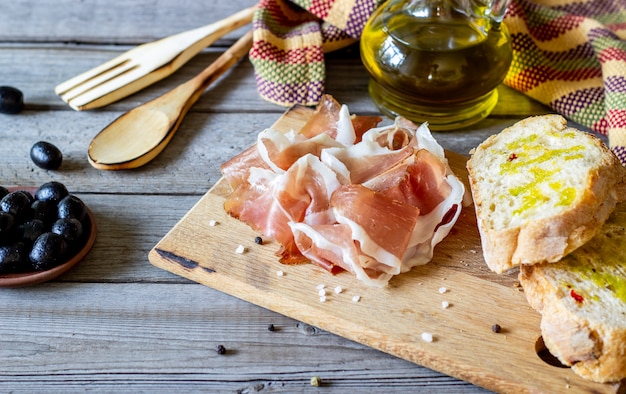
[(583, 319), (548, 239)]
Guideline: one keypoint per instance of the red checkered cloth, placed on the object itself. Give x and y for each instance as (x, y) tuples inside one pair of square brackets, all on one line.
[(567, 54)]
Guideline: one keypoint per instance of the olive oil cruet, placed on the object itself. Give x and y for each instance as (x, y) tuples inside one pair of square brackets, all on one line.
[(437, 61)]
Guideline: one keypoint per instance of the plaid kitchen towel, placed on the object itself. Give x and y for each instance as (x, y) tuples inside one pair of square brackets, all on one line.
[(567, 54), (571, 56)]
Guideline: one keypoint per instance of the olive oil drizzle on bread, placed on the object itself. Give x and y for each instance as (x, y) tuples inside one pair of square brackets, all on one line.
[(541, 190)]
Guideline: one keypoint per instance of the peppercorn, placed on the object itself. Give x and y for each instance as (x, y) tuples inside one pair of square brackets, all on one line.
[(271, 327), (220, 349), (258, 241), (496, 328)]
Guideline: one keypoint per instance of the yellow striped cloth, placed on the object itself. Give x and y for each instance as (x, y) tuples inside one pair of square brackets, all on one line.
[(567, 54)]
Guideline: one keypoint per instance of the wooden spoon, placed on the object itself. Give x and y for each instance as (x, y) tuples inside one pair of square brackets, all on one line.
[(139, 135)]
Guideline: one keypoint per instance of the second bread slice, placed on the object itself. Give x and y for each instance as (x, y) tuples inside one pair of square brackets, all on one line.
[(541, 190)]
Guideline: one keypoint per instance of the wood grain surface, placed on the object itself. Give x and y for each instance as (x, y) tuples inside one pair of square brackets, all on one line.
[(391, 319), (116, 323)]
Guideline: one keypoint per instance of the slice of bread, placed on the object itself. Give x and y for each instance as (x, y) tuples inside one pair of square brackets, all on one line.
[(582, 300), (541, 190)]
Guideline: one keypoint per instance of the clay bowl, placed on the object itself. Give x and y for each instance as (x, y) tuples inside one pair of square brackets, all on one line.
[(31, 278)]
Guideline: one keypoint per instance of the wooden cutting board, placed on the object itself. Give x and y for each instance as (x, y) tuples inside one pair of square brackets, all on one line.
[(391, 319)]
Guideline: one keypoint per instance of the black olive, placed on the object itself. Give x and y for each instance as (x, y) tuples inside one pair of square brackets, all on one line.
[(46, 156), (3, 191), (69, 228), (6, 223), (11, 100), (44, 210), (31, 230), (12, 258), (71, 207), (47, 251), (28, 195), (16, 203), (52, 191)]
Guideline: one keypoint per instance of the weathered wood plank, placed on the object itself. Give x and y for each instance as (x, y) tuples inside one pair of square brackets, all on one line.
[(107, 21), (188, 165), (234, 92), (115, 322), (161, 337)]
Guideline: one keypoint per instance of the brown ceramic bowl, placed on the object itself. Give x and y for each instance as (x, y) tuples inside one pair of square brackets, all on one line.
[(31, 278)]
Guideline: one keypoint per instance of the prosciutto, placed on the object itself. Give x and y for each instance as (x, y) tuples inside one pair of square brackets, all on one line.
[(347, 194)]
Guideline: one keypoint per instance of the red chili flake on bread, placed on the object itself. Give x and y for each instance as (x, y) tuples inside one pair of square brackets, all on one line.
[(577, 297), (512, 157)]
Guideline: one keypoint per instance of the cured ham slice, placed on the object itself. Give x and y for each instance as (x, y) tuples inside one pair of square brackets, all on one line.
[(331, 247), (382, 226), (380, 149), (347, 195), (326, 120), (237, 170), (254, 204), (305, 190)]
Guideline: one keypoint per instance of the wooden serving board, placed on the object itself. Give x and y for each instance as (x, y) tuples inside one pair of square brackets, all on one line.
[(391, 319)]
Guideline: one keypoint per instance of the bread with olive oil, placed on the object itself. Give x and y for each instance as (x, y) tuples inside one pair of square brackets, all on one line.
[(541, 189), (582, 300)]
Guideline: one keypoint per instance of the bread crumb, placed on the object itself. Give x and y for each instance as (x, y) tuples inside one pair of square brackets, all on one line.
[(240, 249), (212, 223), (356, 298), (427, 337), (316, 381), (338, 289)]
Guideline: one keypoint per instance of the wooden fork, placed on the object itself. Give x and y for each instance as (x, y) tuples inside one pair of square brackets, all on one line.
[(144, 65)]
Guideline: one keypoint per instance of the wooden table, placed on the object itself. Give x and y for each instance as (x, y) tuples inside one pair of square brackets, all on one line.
[(115, 322)]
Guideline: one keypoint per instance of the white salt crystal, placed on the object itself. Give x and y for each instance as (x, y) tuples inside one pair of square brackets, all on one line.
[(356, 298), (427, 337), (445, 304), (338, 289), (321, 292), (240, 249), (212, 222), (280, 273), (323, 299), (442, 290)]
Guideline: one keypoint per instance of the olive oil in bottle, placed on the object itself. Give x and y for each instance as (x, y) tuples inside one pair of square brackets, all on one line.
[(435, 61)]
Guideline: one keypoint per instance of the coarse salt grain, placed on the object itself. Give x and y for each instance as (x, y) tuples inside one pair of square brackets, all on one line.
[(356, 298), (445, 304), (427, 337), (212, 222), (280, 273), (320, 286), (338, 289), (323, 299), (442, 290), (240, 249), (321, 292)]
